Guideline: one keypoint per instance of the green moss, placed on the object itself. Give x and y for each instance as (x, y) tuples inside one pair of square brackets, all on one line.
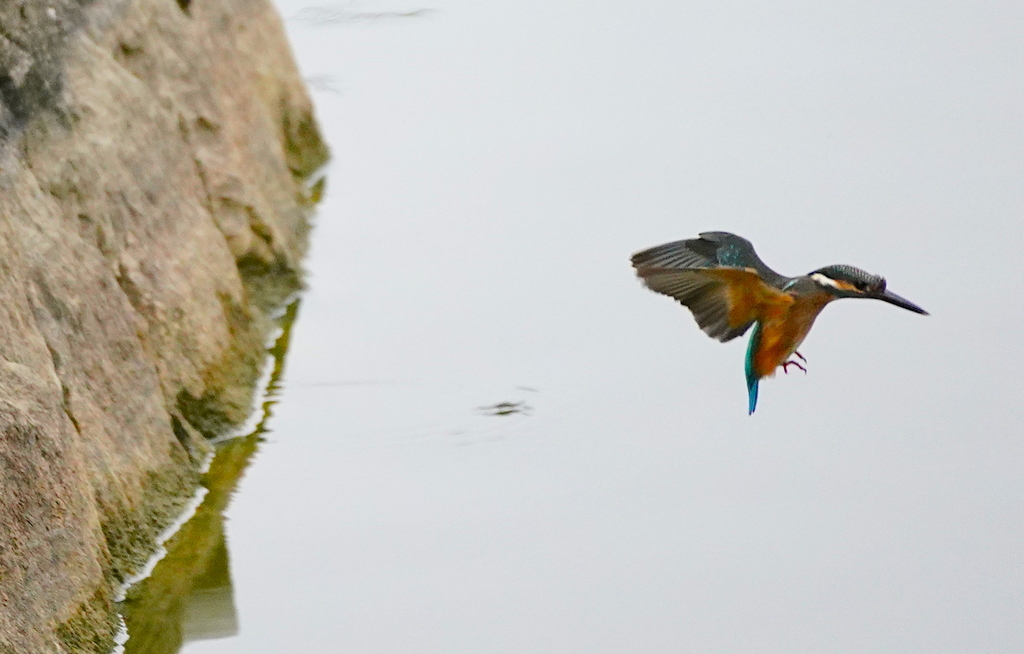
[(304, 148), (268, 286), (131, 530), (92, 627), (231, 383)]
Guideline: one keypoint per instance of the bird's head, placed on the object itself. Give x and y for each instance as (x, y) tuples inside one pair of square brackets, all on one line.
[(847, 281)]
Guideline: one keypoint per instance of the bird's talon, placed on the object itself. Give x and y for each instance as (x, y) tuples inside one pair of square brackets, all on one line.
[(787, 364)]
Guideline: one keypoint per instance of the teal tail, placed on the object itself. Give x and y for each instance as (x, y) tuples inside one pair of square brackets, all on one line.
[(752, 395), (752, 378)]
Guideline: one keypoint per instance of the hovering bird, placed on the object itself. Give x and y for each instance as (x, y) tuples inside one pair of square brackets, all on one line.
[(727, 287)]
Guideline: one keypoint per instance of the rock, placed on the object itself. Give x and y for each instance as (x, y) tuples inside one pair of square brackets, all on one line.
[(154, 156)]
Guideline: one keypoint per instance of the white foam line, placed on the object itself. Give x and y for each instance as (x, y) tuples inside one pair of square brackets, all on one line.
[(204, 467), (256, 411), (121, 637), (160, 552), (283, 307)]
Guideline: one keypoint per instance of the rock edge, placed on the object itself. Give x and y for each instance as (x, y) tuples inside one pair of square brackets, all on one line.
[(154, 158)]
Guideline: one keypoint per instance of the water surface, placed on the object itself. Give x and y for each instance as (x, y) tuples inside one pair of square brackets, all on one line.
[(495, 166)]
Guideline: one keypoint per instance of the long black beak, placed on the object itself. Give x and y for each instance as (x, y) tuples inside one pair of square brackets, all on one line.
[(892, 298)]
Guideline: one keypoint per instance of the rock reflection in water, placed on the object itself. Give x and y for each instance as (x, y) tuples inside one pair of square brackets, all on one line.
[(189, 594), (209, 610)]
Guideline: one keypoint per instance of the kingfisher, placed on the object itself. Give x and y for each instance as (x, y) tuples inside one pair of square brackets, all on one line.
[(727, 287)]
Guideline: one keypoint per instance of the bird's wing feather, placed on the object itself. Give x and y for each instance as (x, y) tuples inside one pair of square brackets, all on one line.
[(724, 301), (711, 250)]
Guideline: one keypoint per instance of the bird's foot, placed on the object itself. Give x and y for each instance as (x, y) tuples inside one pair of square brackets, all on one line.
[(787, 364), (802, 358)]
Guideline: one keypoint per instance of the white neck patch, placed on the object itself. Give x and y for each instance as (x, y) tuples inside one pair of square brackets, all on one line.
[(825, 281)]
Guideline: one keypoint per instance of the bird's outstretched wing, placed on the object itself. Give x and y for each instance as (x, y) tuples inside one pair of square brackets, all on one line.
[(718, 277), (711, 250)]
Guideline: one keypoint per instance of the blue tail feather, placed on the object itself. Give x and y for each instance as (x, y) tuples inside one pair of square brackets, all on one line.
[(752, 396), (752, 378)]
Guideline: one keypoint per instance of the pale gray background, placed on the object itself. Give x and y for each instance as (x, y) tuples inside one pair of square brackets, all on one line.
[(495, 164)]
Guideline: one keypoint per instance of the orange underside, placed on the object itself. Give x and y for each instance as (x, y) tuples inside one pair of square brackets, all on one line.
[(785, 319), (778, 341), (781, 335)]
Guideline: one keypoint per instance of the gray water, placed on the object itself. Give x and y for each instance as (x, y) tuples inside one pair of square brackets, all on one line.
[(495, 164)]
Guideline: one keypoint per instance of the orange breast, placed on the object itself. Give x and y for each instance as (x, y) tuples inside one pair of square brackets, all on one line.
[(782, 334)]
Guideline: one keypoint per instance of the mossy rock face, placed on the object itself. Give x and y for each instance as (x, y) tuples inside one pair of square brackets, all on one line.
[(154, 158), (91, 628)]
